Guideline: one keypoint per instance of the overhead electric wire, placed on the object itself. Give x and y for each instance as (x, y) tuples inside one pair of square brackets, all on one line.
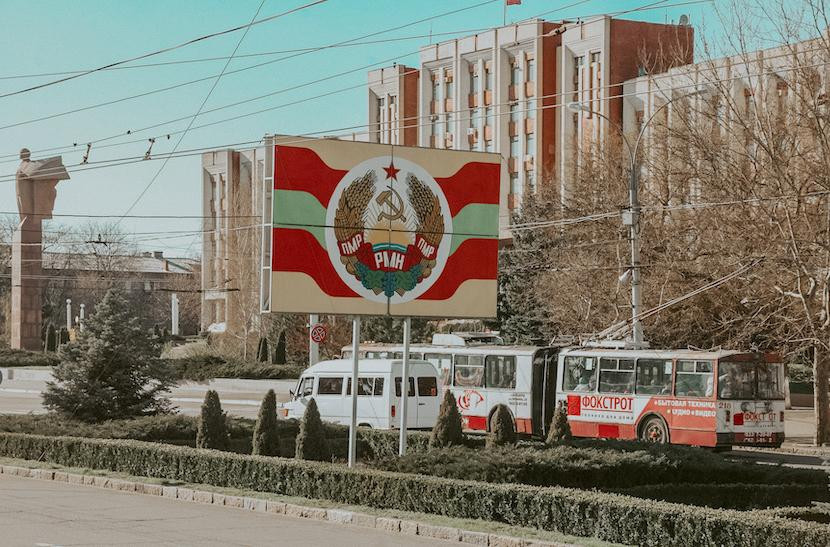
[(246, 28)]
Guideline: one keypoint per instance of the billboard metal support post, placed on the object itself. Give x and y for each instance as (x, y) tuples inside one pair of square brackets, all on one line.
[(407, 323), (353, 422)]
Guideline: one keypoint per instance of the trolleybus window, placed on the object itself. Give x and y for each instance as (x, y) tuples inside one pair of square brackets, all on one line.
[(330, 386), (654, 376), (500, 371), (443, 362), (468, 371), (750, 380), (616, 375), (694, 378), (580, 374), (416, 356)]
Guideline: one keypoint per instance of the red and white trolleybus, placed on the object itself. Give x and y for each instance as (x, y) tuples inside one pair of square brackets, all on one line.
[(703, 398)]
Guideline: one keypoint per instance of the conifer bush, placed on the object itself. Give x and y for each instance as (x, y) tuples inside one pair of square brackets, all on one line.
[(311, 440), (262, 350), (447, 430), (111, 370), (64, 336), (213, 430), (560, 428), (502, 431), (279, 351), (266, 440)]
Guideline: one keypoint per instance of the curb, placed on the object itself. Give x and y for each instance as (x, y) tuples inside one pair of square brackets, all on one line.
[(259, 505)]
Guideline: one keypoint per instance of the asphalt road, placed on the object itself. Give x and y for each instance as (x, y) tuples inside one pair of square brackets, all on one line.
[(46, 513)]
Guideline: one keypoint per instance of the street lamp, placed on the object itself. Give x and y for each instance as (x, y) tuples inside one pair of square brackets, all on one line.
[(631, 218)]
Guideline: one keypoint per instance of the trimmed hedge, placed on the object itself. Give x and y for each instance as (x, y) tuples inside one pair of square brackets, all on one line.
[(733, 496), (577, 466), (202, 368), (24, 358), (609, 517)]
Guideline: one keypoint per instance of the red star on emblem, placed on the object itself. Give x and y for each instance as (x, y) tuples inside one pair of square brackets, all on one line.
[(391, 171)]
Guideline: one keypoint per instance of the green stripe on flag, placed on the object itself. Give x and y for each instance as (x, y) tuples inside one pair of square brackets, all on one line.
[(298, 209), (293, 208), (476, 220)]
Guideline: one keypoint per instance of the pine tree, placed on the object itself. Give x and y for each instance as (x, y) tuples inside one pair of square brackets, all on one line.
[(51, 338), (560, 428), (213, 430), (447, 430), (111, 370), (311, 440), (502, 430), (279, 350), (262, 350), (389, 330), (266, 442)]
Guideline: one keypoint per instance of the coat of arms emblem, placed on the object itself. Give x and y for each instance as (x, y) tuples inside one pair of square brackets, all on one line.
[(389, 229)]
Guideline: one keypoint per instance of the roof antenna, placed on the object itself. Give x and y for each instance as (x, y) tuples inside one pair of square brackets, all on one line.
[(147, 153), (86, 154)]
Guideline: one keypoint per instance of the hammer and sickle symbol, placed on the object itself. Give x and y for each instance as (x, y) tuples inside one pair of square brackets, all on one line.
[(394, 201)]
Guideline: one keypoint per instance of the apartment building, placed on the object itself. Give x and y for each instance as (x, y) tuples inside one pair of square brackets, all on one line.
[(504, 90)]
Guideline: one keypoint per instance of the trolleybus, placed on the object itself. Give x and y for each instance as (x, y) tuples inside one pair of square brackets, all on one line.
[(703, 398)]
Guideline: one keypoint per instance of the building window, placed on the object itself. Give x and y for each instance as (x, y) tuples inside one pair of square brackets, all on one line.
[(515, 188), (515, 73), (514, 113), (488, 146), (488, 117), (449, 89), (435, 88), (474, 82), (514, 147), (531, 70), (488, 75), (531, 109), (530, 182), (530, 144)]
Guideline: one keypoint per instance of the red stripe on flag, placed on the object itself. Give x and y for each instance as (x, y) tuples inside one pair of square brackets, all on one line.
[(302, 169), (298, 251), (474, 183)]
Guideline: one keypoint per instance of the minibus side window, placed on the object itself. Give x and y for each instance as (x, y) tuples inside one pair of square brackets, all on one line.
[(378, 387), (427, 386), (366, 386), (411, 392), (330, 386)]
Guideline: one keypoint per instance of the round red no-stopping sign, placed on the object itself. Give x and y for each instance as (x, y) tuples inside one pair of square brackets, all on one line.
[(319, 332)]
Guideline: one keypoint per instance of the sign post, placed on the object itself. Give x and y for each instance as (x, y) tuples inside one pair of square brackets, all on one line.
[(355, 359), (407, 323), (313, 343)]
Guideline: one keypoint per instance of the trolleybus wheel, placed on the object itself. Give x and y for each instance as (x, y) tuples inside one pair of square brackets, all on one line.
[(654, 431)]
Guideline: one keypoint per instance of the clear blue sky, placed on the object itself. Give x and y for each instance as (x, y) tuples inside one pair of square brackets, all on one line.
[(71, 35)]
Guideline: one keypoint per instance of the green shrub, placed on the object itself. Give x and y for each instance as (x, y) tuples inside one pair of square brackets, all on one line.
[(201, 368), (213, 431), (24, 358), (808, 514), (279, 351), (311, 440), (590, 467), (447, 430), (608, 517), (560, 428), (262, 350), (732, 496), (502, 431), (265, 441), (64, 336)]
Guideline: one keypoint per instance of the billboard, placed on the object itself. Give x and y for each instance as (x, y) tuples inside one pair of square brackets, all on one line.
[(375, 229)]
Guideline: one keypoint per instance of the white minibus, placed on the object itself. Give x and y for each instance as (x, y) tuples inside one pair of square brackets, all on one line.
[(378, 393)]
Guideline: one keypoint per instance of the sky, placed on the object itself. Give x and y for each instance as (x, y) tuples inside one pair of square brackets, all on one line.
[(46, 36)]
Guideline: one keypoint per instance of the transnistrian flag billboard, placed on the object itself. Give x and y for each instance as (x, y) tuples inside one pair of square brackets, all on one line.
[(374, 229)]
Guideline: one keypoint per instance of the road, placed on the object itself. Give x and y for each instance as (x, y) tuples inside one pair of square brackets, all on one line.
[(46, 513), (239, 397)]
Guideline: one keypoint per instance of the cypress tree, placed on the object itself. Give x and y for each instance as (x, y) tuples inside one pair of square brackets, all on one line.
[(51, 338), (262, 350), (212, 431), (279, 351), (311, 440), (502, 430), (266, 441), (156, 330), (64, 337), (447, 430), (560, 428)]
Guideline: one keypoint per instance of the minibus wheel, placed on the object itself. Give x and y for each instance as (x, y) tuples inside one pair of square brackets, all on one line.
[(654, 430)]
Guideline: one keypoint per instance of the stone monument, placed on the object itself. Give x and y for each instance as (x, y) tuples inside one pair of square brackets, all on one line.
[(36, 182)]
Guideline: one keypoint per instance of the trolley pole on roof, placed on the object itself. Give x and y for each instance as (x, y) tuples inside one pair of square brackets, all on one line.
[(407, 323), (353, 421)]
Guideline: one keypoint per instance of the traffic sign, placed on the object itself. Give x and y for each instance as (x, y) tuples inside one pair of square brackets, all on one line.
[(319, 332)]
